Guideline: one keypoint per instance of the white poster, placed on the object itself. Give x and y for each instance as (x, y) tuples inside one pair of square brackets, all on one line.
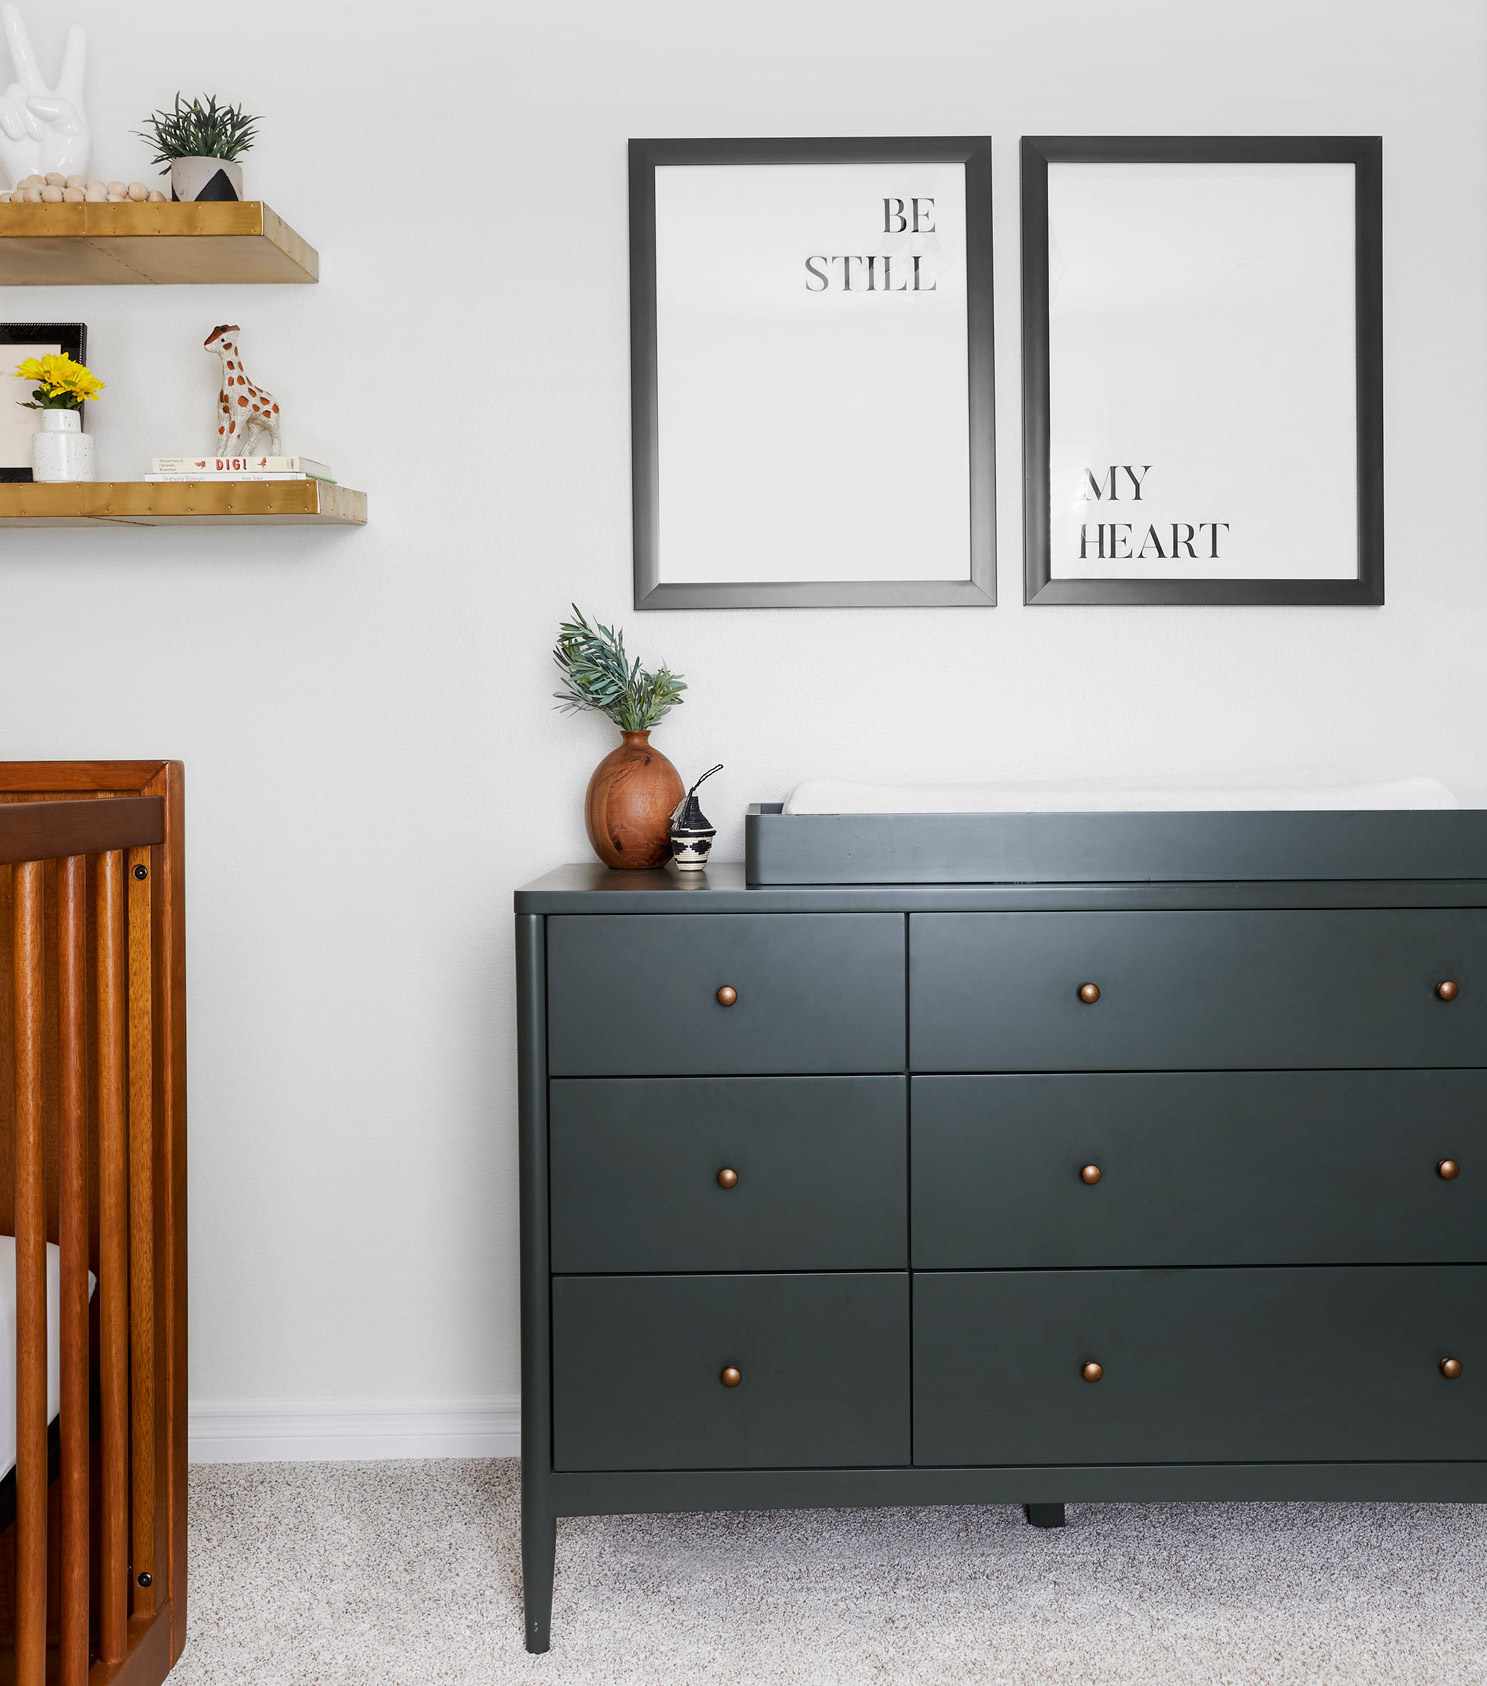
[(812, 377), (1203, 359)]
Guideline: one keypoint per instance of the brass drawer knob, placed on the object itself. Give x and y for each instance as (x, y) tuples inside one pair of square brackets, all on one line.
[(731, 1376), (1089, 993), (1090, 1175), (1448, 1170), (1447, 989), (727, 1177), (1091, 1372), (727, 995), (1450, 1368)]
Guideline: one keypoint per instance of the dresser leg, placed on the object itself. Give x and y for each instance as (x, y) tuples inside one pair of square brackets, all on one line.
[(1044, 1516), (539, 1528), (539, 1540)]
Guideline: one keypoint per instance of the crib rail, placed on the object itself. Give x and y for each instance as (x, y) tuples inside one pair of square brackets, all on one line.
[(49, 831), (96, 1092)]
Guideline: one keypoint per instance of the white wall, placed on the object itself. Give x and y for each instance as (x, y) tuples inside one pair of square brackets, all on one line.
[(373, 762)]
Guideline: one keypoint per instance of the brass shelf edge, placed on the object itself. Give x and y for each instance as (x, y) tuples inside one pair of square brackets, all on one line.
[(244, 242), (129, 503)]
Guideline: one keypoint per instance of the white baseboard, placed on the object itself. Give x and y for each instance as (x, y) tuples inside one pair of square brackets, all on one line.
[(287, 1431)]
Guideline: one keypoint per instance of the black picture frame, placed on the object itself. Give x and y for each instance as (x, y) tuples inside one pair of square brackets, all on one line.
[(1365, 154), (69, 337), (978, 588)]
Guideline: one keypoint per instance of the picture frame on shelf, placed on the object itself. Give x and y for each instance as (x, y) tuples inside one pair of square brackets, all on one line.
[(1202, 370), (18, 341), (812, 373)]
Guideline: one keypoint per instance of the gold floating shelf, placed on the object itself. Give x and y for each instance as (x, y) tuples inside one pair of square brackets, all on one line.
[(188, 503), (236, 242)]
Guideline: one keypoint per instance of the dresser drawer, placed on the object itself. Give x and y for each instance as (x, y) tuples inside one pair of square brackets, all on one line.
[(1001, 991), (1326, 1364), (822, 1365), (728, 1173), (1199, 1168), (638, 995)]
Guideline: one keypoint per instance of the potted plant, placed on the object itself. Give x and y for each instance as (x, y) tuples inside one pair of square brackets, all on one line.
[(635, 789), (199, 143), (60, 449)]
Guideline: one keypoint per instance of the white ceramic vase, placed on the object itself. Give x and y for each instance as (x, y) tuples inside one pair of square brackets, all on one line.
[(205, 178), (60, 450)]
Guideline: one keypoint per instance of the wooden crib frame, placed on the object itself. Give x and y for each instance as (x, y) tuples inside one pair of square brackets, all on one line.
[(93, 1156)]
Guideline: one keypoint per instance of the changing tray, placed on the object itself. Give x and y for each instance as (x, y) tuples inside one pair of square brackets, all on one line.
[(1112, 847)]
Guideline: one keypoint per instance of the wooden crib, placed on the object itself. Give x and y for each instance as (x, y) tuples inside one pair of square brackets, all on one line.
[(93, 1159)]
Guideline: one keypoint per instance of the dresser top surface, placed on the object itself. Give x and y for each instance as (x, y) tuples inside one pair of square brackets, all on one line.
[(589, 888)]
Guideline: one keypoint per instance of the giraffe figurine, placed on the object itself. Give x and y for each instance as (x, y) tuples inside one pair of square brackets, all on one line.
[(243, 410)]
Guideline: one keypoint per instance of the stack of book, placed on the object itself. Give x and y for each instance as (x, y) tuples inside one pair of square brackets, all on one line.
[(238, 468)]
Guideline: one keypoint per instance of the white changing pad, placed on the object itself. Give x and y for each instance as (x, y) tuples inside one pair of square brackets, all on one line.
[(846, 796), (8, 1337)]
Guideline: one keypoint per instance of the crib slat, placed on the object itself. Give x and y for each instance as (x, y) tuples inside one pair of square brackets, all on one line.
[(113, 1259), (30, 1260), (72, 1155), (145, 1331)]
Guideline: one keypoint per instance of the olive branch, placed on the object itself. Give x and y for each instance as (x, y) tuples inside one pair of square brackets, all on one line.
[(598, 675)]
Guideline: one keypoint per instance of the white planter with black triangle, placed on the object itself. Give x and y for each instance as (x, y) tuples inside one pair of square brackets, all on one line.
[(205, 178)]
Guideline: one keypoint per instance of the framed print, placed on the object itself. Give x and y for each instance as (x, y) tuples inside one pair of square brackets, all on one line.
[(1202, 370), (18, 341), (811, 373)]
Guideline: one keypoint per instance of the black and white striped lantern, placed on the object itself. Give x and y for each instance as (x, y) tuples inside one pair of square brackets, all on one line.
[(691, 833)]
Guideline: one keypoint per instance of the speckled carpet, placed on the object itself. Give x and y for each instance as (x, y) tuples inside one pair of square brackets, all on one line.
[(405, 1574)]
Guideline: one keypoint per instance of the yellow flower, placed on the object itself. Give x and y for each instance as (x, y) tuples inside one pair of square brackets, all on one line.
[(59, 376)]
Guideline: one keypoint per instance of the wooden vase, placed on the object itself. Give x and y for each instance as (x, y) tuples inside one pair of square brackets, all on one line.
[(631, 798)]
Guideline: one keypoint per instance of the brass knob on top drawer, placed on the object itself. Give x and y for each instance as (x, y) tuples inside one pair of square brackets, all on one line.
[(1450, 1368), (727, 1177), (1092, 1371), (1089, 1175), (731, 1376), (727, 995), (1448, 1170), (1447, 989), (1089, 993)]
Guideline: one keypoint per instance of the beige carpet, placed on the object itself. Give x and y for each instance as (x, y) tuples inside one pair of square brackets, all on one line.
[(405, 1574)]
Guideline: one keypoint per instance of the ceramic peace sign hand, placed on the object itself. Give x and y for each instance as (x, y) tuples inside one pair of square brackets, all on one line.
[(42, 128)]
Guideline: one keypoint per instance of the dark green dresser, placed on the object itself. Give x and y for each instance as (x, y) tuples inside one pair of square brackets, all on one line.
[(917, 1194)]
